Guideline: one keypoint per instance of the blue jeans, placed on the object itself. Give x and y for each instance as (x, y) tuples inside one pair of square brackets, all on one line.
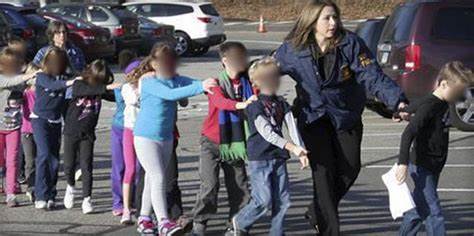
[(427, 209), (270, 190), (48, 142)]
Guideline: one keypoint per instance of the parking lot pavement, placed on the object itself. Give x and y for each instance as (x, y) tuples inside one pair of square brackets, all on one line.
[(364, 211)]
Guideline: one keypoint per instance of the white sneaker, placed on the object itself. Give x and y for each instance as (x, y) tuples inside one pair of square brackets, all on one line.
[(69, 197), (50, 205), (40, 204), (87, 207), (78, 175)]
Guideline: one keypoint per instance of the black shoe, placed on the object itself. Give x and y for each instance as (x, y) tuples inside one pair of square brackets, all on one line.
[(312, 221)]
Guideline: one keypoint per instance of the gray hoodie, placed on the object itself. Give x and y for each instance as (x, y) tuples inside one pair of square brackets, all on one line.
[(11, 90)]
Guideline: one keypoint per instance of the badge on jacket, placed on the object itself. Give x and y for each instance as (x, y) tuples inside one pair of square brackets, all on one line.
[(364, 60), (346, 72)]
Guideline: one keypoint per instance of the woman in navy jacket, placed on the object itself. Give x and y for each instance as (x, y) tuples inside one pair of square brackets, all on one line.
[(333, 70)]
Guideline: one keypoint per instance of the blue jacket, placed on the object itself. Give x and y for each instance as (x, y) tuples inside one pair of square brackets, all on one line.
[(342, 96), (76, 57), (50, 100), (120, 107), (158, 101)]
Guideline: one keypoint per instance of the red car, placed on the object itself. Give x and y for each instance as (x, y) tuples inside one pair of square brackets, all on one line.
[(95, 42), (419, 38)]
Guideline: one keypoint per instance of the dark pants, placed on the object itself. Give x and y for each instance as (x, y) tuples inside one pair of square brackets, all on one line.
[(427, 209), (235, 178), (335, 164), (29, 153), (173, 193), (83, 149), (48, 142)]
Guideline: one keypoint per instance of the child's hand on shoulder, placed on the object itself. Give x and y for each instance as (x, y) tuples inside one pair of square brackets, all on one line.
[(244, 105), (114, 86), (401, 173), (304, 162), (299, 151), (208, 84)]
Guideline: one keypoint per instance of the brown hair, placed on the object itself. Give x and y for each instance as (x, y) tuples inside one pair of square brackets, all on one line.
[(159, 51), (125, 57), (230, 45), (302, 33), (54, 27), (57, 54), (98, 73), (8, 55), (455, 71), (257, 66)]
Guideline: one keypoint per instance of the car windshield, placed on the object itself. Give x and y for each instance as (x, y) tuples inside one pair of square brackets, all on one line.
[(398, 26), (447, 24), (78, 23)]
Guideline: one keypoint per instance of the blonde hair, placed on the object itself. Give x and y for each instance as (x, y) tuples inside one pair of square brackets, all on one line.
[(455, 71), (160, 50), (258, 66), (302, 34)]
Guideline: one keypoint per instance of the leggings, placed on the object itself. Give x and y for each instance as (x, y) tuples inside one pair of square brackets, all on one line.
[(82, 150), (130, 157), (29, 151), (154, 157), (9, 148)]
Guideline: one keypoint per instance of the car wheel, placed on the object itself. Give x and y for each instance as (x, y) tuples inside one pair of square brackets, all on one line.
[(462, 112), (183, 43)]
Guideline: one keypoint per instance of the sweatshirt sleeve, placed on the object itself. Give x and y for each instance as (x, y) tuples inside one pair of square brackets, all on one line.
[(129, 96), (46, 82), (264, 128), (220, 101), (421, 118), (8, 82), (293, 130), (82, 89), (156, 88)]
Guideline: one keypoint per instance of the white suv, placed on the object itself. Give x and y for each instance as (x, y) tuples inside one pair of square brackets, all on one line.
[(198, 25)]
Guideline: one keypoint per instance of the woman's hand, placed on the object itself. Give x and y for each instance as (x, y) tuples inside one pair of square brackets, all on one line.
[(401, 115), (299, 151), (401, 173), (208, 84)]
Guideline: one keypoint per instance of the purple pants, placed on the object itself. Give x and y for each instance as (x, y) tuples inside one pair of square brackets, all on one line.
[(118, 167)]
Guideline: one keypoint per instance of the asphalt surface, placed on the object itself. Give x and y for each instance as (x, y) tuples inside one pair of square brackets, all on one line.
[(364, 210)]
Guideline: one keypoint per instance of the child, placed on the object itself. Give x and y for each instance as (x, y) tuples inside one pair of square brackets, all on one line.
[(27, 140), (79, 128), (223, 139), (429, 131), (20, 46), (268, 150), (130, 95), (51, 85), (116, 139), (153, 135), (12, 85)]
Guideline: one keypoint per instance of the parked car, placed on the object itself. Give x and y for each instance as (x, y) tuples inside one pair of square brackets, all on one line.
[(20, 3), (22, 28), (421, 36), (95, 42), (198, 25), (150, 31), (122, 25), (5, 30), (370, 31)]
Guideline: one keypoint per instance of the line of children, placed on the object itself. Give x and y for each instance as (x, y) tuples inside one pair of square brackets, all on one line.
[(79, 128), (153, 136), (428, 130)]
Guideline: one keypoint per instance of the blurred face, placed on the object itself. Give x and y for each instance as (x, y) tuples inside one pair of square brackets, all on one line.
[(165, 65), (235, 60), (10, 66), (327, 23), (452, 91), (20, 48), (269, 80), (56, 65), (60, 37)]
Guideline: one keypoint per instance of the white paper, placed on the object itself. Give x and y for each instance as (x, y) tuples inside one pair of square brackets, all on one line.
[(399, 194)]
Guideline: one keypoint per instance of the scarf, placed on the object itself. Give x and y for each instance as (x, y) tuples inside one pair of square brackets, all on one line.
[(232, 126)]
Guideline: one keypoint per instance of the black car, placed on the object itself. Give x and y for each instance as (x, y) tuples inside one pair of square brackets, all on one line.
[(5, 30)]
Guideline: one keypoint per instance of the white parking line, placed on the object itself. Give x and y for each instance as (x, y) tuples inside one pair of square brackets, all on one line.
[(455, 190), (397, 148), (447, 165), (260, 42), (400, 133)]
